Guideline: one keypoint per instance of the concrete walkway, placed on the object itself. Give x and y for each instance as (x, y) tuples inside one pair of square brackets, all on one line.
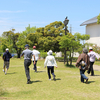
[(96, 67)]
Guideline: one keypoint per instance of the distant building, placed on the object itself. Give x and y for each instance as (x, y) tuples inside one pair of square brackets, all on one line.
[(93, 29), (58, 54)]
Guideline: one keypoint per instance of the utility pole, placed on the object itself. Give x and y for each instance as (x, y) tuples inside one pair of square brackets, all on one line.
[(70, 28)]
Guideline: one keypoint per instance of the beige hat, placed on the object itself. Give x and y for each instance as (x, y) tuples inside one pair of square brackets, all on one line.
[(90, 48)]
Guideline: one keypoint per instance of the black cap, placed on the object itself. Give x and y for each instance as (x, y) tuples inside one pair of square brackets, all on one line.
[(26, 45)]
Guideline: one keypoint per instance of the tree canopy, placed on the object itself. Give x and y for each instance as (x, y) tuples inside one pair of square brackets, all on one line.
[(98, 21), (51, 36)]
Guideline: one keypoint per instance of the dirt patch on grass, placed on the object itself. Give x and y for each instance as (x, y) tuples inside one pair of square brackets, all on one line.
[(3, 98)]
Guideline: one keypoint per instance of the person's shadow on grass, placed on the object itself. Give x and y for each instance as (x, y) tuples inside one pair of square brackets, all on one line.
[(96, 75), (57, 79), (40, 71), (90, 82), (12, 73), (35, 81)]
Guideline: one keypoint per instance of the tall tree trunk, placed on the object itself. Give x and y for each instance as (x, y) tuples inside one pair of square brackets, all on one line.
[(18, 53)]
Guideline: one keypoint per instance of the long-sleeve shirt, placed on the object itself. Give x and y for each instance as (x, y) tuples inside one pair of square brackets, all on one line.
[(83, 57), (7, 56), (92, 55), (50, 61)]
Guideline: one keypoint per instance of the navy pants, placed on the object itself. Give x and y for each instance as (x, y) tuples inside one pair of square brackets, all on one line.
[(50, 70), (83, 75), (91, 68), (27, 63), (35, 67)]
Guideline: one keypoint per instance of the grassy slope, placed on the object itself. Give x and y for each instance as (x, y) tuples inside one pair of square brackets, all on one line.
[(66, 87)]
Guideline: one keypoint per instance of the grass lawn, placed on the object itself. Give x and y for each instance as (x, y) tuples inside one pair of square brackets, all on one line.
[(66, 87), (97, 63)]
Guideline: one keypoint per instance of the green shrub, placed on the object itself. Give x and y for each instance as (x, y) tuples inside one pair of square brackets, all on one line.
[(62, 59), (44, 54), (59, 58)]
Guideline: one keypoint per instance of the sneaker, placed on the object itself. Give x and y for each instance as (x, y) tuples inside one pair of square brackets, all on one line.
[(35, 71), (28, 81), (3, 71), (54, 77), (86, 81)]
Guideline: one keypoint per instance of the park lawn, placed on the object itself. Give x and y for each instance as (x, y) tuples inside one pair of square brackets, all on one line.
[(97, 63), (66, 87)]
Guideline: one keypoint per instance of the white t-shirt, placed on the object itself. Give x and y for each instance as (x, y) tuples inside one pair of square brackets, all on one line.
[(36, 53)]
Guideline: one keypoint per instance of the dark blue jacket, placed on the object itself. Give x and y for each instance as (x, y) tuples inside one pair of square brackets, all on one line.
[(7, 56)]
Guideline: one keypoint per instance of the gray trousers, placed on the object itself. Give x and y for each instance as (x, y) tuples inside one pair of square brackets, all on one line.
[(27, 63)]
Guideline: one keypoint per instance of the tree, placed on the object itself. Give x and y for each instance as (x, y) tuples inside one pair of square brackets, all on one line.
[(29, 30), (16, 41), (69, 43), (98, 17), (81, 39), (50, 35), (9, 40)]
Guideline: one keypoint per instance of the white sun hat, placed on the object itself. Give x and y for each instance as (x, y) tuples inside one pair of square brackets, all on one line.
[(90, 48), (50, 51), (7, 49)]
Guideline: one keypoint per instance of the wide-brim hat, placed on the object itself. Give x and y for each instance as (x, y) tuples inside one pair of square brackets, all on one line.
[(50, 52)]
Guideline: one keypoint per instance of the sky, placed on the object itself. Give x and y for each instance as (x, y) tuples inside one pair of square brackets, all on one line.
[(18, 14)]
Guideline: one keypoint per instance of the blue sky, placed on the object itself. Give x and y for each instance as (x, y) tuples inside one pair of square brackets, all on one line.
[(18, 14)]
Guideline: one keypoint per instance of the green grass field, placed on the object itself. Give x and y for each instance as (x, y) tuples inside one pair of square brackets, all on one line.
[(66, 87)]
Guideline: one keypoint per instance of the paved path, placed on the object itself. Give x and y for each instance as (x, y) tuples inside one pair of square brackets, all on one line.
[(96, 67)]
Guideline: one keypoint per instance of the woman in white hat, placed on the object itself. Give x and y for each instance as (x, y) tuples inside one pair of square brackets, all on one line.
[(50, 62), (92, 55)]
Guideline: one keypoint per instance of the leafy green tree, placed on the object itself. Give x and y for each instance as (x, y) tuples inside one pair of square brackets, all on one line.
[(81, 39), (9, 40), (69, 43), (34, 38), (29, 30), (50, 35), (98, 17), (26, 37)]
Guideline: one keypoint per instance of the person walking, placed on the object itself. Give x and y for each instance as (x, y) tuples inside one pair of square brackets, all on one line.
[(50, 62), (83, 63), (6, 58), (27, 61), (92, 55), (37, 56)]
